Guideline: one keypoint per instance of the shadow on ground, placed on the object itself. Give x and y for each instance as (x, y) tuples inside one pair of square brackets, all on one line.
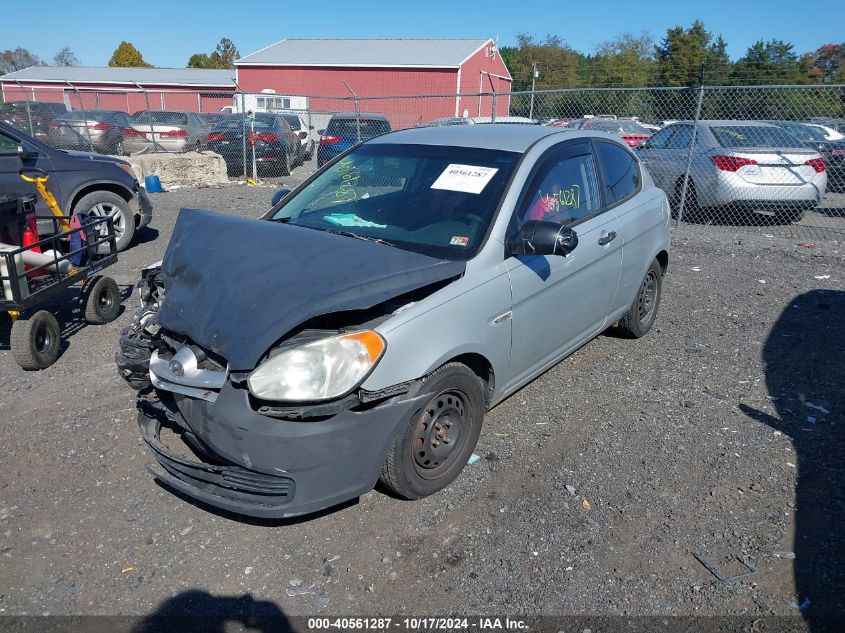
[(200, 612), (804, 358)]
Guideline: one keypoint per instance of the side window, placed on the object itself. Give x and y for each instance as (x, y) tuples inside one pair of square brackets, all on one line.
[(8, 145), (682, 137), (564, 190), (620, 171)]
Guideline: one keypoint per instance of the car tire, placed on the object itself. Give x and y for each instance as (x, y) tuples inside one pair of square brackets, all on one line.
[(36, 340), (690, 202), (789, 216), (419, 461), (639, 318), (284, 166), (102, 300), (102, 203)]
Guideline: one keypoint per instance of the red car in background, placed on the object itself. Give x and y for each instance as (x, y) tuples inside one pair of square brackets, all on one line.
[(630, 131)]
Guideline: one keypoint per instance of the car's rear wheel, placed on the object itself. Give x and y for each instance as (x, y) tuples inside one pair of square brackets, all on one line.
[(788, 216), (690, 201), (106, 203), (433, 448), (639, 318)]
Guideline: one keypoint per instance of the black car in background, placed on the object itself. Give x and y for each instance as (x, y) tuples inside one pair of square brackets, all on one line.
[(833, 152), (346, 130), (80, 181), (277, 148), (32, 117), (101, 131)]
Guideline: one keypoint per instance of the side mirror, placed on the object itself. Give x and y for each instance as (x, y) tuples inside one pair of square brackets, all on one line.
[(303, 135), (321, 132), (26, 154), (543, 238), (279, 195)]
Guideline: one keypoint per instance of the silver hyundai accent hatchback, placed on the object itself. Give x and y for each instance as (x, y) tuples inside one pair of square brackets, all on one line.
[(360, 330)]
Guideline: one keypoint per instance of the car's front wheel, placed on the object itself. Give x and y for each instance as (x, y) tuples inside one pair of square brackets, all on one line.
[(639, 318), (101, 204), (431, 451)]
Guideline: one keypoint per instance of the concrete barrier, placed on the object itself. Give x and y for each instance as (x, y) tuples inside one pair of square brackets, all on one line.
[(190, 169)]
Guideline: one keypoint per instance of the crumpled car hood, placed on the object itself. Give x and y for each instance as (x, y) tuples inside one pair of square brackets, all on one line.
[(236, 285)]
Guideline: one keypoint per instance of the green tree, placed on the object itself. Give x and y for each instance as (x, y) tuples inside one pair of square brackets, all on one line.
[(685, 55), (223, 56), (770, 62), (126, 55), (626, 61), (17, 59), (199, 60), (65, 57)]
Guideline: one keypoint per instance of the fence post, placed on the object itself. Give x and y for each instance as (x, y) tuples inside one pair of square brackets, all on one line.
[(82, 107), (29, 118), (685, 186), (149, 115), (493, 114)]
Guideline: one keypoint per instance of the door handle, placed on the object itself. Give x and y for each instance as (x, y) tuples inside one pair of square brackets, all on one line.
[(607, 239)]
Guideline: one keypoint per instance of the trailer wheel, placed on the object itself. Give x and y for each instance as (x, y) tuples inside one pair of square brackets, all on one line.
[(36, 340), (102, 300)]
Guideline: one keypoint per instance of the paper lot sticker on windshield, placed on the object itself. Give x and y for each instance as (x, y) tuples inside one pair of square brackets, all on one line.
[(464, 178)]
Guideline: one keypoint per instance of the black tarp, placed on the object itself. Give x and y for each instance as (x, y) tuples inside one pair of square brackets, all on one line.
[(236, 285)]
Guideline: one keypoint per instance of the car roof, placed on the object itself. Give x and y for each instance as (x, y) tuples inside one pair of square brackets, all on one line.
[(501, 136), (361, 115)]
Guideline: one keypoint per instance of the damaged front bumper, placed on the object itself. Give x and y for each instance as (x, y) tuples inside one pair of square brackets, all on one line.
[(263, 467)]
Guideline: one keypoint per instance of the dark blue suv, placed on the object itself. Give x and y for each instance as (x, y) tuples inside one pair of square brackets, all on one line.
[(345, 130)]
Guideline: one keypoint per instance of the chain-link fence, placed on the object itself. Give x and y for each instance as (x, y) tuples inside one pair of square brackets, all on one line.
[(767, 157)]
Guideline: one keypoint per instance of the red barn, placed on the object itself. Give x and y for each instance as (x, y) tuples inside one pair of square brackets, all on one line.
[(186, 89), (386, 75)]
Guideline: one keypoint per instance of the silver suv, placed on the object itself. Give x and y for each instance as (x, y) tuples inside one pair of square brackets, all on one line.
[(362, 329)]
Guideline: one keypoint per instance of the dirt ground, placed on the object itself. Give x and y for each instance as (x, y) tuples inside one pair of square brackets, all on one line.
[(720, 434)]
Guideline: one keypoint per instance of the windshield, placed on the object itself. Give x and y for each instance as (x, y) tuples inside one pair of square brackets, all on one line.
[(753, 136), (434, 200)]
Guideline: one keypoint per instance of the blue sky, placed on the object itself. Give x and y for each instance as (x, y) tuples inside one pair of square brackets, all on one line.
[(168, 32)]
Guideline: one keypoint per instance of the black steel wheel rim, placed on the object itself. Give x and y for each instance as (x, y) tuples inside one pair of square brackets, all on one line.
[(438, 433), (647, 297), (42, 339), (105, 300)]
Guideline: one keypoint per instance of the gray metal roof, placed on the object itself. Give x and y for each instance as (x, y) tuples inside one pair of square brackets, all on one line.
[(439, 53), (144, 76), (502, 136)]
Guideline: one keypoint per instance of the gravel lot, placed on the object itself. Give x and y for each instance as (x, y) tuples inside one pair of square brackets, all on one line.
[(597, 483)]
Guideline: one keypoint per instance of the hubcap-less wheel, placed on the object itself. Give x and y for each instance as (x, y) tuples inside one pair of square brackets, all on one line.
[(646, 297), (104, 210), (43, 340), (438, 433)]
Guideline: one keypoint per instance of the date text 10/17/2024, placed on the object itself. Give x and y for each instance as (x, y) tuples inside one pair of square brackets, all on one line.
[(418, 623)]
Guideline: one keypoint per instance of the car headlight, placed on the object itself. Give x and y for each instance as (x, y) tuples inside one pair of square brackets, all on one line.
[(320, 370)]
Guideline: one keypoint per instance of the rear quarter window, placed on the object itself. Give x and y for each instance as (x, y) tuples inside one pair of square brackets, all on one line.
[(620, 171)]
